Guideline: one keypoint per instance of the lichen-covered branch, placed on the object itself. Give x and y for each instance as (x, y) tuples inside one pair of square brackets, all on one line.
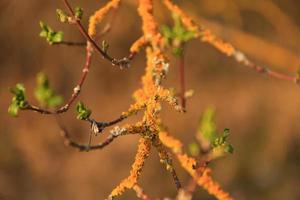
[(128, 183), (202, 175)]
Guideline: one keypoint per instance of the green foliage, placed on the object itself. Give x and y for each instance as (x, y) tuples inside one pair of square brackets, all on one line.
[(18, 100), (82, 111), (104, 46), (177, 35), (62, 16), (208, 135), (221, 141), (44, 94), (207, 127), (78, 13), (194, 149), (49, 34)]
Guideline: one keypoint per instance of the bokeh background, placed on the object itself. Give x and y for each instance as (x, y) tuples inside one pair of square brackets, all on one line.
[(262, 113)]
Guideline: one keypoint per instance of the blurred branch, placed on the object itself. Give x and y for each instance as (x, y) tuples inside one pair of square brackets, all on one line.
[(287, 30), (226, 48), (140, 193), (271, 53)]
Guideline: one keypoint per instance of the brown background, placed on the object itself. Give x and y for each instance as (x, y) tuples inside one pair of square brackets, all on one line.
[(262, 113)]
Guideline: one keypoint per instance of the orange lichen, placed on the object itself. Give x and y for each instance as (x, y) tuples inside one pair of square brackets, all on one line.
[(206, 182), (203, 33), (224, 47), (97, 17), (137, 45), (203, 179), (186, 20), (142, 153), (150, 96)]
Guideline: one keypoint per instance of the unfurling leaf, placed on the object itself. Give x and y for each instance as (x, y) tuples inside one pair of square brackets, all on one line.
[(78, 13), (49, 34), (104, 46), (82, 111), (62, 16), (208, 128), (176, 36), (221, 146), (18, 100), (44, 94), (194, 149)]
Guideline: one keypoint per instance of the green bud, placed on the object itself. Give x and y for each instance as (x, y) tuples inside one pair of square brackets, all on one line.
[(82, 112), (208, 127), (62, 16), (18, 101), (78, 13), (44, 94), (49, 34), (104, 46), (194, 149)]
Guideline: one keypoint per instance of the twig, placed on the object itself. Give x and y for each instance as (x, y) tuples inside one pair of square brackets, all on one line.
[(182, 79), (122, 63), (224, 47), (77, 89), (98, 127), (140, 193), (84, 147)]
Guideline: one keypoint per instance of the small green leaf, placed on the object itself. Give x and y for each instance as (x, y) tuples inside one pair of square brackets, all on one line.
[(167, 32), (13, 109), (49, 34), (82, 112), (229, 149), (104, 46), (194, 149), (44, 94), (55, 101), (78, 13), (62, 16), (221, 146), (188, 36), (208, 128), (176, 36), (57, 37), (18, 101)]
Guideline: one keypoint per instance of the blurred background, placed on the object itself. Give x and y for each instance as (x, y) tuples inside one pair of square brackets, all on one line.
[(261, 112)]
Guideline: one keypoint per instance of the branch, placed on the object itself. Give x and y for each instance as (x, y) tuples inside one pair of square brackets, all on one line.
[(114, 133), (122, 63), (224, 47), (140, 193)]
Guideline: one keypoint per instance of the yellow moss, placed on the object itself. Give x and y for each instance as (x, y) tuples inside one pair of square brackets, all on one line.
[(99, 15)]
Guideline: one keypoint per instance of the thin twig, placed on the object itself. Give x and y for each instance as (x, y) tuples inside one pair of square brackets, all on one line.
[(122, 63), (176, 179), (182, 79), (140, 193), (98, 127), (77, 89), (83, 147)]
